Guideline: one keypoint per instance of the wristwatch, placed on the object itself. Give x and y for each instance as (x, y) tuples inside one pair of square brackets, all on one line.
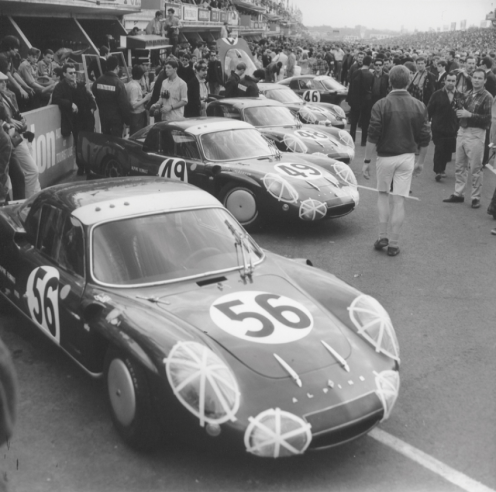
[(366, 161)]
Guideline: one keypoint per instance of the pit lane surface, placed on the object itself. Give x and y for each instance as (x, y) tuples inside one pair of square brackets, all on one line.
[(440, 293)]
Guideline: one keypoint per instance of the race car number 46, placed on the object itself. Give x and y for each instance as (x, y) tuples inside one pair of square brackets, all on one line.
[(42, 292), (262, 317)]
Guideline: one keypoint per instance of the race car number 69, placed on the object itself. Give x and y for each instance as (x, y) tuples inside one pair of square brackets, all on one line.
[(43, 302), (261, 317)]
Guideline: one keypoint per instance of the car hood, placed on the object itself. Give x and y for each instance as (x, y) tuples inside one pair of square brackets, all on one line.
[(263, 322)]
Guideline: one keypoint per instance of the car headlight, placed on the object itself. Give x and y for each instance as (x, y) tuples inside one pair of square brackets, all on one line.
[(388, 386), (311, 209), (275, 434), (345, 173), (345, 137), (202, 383), (374, 324), (279, 188), (294, 144)]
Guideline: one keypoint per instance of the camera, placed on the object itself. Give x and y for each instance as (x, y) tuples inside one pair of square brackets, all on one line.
[(165, 94)]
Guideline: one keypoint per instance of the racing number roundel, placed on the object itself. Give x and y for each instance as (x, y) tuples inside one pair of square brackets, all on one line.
[(174, 169), (298, 171), (262, 317), (311, 135), (42, 292), (311, 96)]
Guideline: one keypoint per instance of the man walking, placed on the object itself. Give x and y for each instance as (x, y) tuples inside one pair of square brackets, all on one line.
[(475, 118), (398, 126), (423, 82), (442, 112), (380, 86)]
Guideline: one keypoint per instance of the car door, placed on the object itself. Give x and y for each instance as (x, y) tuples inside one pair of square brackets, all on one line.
[(53, 276)]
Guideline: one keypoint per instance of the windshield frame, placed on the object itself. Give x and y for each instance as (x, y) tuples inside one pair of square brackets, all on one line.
[(239, 267), (200, 141), (292, 125)]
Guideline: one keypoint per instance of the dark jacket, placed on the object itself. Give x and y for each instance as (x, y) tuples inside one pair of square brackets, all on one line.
[(428, 87), (440, 81), (193, 108), (64, 96), (111, 97), (442, 113), (232, 85), (360, 92), (157, 87), (247, 87), (185, 73), (398, 125), (214, 72), (383, 88), (490, 84)]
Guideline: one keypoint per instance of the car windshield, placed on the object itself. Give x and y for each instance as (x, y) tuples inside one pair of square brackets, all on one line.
[(168, 247), (235, 144), (283, 95), (330, 84), (140, 135), (269, 116)]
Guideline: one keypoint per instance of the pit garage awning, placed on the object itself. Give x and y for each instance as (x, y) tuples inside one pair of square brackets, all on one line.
[(249, 6)]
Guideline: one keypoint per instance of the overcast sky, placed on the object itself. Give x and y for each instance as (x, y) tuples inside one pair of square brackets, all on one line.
[(388, 14)]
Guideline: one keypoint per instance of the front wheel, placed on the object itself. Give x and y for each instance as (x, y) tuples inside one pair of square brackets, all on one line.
[(112, 168), (242, 203), (131, 402)]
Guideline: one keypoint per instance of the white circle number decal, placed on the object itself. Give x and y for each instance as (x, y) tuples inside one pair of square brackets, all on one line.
[(311, 96), (298, 171), (43, 301), (174, 169), (311, 135), (261, 317)]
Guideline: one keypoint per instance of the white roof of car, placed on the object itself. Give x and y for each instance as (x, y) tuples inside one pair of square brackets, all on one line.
[(217, 126), (122, 208)]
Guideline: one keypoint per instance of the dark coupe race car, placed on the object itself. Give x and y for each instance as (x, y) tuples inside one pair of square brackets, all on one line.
[(278, 123), (317, 88), (310, 113), (232, 161), (153, 285)]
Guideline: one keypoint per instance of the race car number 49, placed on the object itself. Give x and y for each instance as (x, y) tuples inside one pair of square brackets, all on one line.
[(262, 317), (298, 171), (311, 135)]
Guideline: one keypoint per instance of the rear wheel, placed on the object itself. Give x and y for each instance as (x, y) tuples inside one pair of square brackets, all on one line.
[(112, 168), (242, 203), (131, 401)]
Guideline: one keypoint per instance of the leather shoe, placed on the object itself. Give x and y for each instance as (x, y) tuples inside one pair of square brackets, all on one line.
[(454, 199), (438, 177), (393, 250), (381, 243), (476, 203)]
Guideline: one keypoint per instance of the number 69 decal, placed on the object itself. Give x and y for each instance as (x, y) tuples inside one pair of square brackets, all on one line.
[(311, 96), (261, 317), (43, 299)]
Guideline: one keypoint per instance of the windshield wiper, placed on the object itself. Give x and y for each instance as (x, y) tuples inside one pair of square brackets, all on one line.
[(240, 241)]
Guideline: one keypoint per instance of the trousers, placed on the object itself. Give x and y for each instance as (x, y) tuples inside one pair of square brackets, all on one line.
[(22, 156), (469, 154), (360, 113), (5, 152)]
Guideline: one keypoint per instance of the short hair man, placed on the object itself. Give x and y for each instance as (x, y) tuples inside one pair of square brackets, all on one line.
[(232, 82), (197, 92), (137, 100), (398, 126), (475, 119)]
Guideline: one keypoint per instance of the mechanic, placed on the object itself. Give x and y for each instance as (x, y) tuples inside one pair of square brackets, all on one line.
[(442, 113), (475, 119), (232, 82), (247, 86), (173, 95), (398, 126), (76, 106), (197, 92), (137, 101), (111, 97)]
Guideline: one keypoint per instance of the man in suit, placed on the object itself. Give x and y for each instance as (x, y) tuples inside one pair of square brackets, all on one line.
[(197, 92), (360, 99), (380, 86)]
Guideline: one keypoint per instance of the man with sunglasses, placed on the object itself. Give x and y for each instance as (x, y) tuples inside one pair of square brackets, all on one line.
[(380, 86), (197, 92)]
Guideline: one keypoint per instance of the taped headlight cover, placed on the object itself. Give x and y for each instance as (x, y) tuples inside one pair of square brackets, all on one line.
[(374, 324), (346, 138), (294, 144), (311, 209), (202, 383), (388, 386), (275, 433), (279, 188), (344, 172)]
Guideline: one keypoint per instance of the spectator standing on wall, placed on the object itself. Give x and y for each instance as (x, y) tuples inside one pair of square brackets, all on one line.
[(76, 106), (111, 97), (171, 25), (46, 64), (138, 116), (28, 71), (156, 27)]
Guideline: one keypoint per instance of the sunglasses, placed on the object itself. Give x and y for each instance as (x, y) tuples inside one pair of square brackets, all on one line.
[(378, 64)]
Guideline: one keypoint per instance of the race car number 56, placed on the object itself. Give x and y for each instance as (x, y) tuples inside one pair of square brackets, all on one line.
[(43, 301), (261, 317)]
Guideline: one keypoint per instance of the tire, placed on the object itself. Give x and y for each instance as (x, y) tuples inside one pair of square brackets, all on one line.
[(242, 203), (131, 401), (112, 168)]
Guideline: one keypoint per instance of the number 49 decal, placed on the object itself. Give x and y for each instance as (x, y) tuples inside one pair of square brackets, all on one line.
[(261, 317), (42, 292)]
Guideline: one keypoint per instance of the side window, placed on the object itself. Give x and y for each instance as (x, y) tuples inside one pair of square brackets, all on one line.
[(231, 112), (166, 146), (294, 85), (152, 141), (303, 84), (185, 145), (48, 231), (71, 251)]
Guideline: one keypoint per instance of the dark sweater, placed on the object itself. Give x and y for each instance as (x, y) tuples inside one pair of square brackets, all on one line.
[(398, 125), (442, 113)]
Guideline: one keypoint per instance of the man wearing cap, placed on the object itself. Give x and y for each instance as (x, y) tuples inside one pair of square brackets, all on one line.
[(171, 25)]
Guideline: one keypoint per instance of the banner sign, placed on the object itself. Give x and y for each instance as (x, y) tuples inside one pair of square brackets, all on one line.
[(215, 16), (203, 15), (190, 13)]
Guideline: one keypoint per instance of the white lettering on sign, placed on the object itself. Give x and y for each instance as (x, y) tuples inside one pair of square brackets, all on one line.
[(43, 148), (105, 87), (174, 169), (298, 171), (262, 317)]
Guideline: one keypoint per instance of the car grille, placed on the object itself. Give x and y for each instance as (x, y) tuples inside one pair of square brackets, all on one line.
[(346, 421), (340, 210)]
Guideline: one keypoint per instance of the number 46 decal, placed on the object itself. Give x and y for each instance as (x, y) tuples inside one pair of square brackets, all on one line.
[(42, 292), (311, 96), (261, 317)]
